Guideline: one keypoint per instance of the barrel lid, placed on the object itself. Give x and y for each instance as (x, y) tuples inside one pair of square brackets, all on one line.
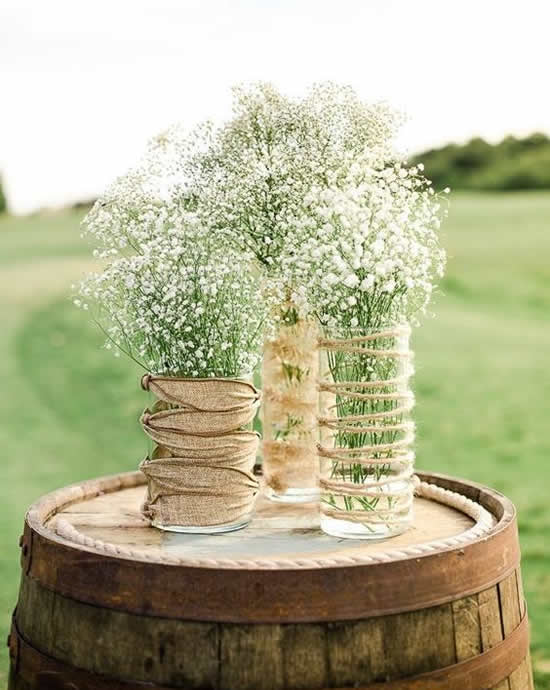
[(89, 542)]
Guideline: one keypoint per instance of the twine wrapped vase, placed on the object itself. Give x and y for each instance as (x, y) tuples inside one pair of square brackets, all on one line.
[(200, 472), (289, 412), (366, 434)]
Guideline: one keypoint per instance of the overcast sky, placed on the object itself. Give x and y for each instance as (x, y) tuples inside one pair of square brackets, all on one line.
[(84, 83)]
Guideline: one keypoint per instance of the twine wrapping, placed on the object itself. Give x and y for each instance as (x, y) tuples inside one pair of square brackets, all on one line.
[(366, 455), (200, 473)]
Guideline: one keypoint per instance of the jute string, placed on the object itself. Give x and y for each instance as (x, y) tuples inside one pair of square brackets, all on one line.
[(201, 472), (386, 491)]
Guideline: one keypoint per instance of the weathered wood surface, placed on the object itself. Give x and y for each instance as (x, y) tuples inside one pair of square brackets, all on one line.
[(73, 643), (277, 529), (171, 653)]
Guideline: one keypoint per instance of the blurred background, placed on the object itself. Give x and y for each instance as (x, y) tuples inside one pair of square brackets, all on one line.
[(85, 84)]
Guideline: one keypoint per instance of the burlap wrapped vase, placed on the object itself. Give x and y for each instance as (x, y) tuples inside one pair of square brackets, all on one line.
[(200, 474)]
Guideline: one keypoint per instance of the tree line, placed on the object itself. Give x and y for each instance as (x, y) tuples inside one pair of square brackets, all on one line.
[(3, 203), (513, 163)]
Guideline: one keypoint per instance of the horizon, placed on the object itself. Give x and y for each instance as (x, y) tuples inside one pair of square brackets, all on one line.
[(84, 202), (88, 85)]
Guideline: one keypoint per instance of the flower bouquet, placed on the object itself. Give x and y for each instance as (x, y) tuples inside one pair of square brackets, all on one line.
[(187, 310), (296, 224), (251, 180), (369, 253)]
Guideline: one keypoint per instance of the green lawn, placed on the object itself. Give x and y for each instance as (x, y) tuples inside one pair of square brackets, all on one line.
[(483, 379)]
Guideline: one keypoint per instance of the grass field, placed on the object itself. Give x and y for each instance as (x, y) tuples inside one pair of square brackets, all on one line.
[(69, 409)]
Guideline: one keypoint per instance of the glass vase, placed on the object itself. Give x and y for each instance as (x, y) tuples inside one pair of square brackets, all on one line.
[(366, 433), (289, 411), (199, 471)]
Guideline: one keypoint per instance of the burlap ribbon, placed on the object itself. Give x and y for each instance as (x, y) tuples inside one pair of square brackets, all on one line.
[(200, 473)]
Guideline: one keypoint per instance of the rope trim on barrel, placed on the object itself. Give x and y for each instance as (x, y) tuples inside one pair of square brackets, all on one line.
[(484, 523)]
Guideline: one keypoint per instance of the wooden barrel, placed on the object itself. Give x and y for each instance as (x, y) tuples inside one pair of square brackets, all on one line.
[(113, 604)]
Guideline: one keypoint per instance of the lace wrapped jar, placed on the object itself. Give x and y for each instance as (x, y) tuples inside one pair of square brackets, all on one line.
[(289, 411), (366, 433)]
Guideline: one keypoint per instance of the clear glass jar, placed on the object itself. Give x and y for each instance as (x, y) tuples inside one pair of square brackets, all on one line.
[(289, 411), (366, 433), (200, 471)]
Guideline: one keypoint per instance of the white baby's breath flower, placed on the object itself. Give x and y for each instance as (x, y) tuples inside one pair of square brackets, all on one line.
[(351, 280), (301, 199), (391, 227), (253, 177), (178, 300), (367, 283)]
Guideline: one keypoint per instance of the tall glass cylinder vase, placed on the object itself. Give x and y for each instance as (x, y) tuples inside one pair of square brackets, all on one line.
[(289, 411), (366, 433)]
